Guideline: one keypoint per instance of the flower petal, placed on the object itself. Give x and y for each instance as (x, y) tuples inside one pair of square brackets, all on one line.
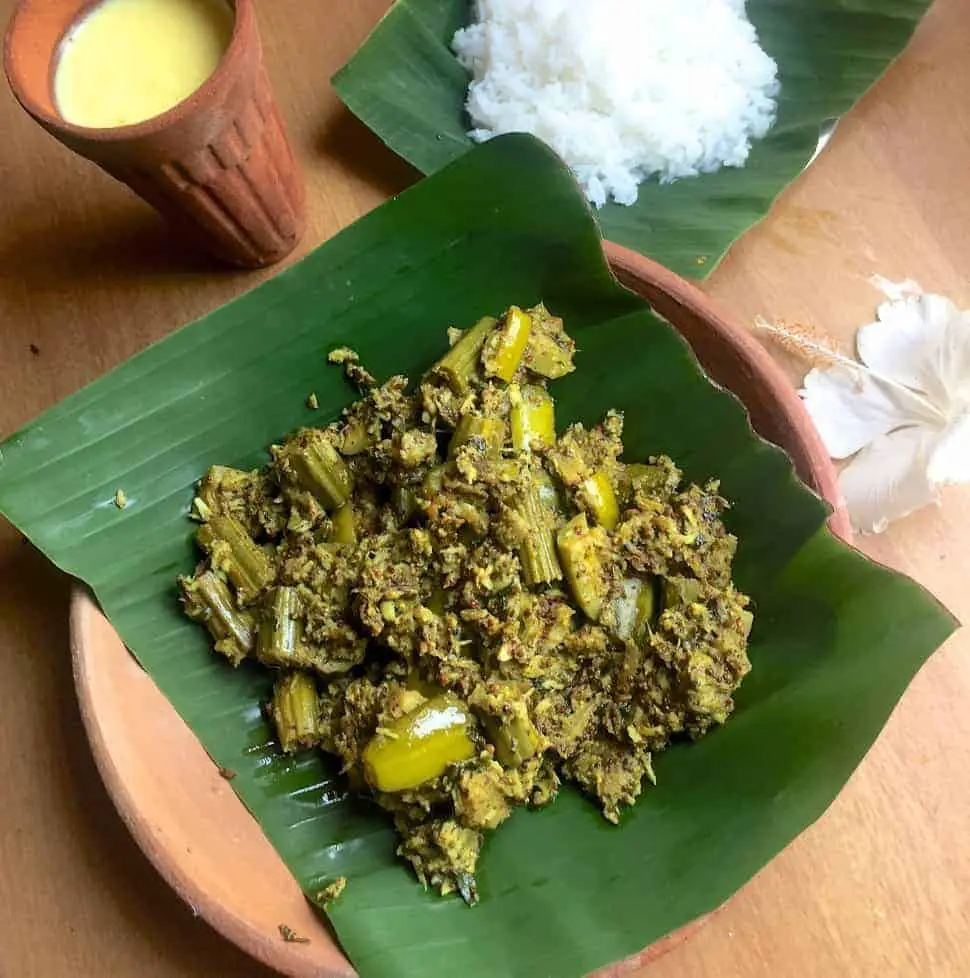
[(895, 290), (950, 460), (888, 479), (922, 342), (850, 407), (954, 363)]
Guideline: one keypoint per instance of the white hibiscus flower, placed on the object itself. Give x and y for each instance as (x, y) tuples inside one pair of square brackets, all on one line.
[(900, 413)]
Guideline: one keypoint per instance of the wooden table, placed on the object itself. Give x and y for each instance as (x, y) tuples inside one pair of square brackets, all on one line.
[(879, 887)]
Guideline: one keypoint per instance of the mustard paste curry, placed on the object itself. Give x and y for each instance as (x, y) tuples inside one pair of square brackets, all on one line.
[(466, 608)]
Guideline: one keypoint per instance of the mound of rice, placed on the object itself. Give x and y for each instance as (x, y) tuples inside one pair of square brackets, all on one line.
[(622, 90)]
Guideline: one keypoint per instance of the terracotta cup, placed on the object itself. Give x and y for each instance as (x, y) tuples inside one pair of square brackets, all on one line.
[(218, 165)]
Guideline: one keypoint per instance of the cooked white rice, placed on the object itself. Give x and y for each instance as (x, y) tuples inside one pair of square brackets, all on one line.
[(622, 90)]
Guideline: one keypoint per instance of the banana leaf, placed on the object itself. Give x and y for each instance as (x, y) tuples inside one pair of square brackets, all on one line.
[(836, 639), (407, 86)]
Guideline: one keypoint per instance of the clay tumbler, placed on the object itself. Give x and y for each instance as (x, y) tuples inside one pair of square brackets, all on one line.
[(218, 165)]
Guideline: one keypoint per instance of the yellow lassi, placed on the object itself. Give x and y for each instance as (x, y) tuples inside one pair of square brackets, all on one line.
[(126, 61)]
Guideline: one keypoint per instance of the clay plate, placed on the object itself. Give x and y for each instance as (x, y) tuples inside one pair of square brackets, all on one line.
[(185, 816)]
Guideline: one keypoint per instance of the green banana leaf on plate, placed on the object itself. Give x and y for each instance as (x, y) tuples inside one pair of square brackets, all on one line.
[(835, 643), (408, 87)]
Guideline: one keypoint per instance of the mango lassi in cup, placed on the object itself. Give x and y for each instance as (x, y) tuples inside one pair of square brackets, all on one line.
[(125, 61), (172, 98)]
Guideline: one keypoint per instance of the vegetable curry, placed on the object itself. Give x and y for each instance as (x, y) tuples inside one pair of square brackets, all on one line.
[(466, 608)]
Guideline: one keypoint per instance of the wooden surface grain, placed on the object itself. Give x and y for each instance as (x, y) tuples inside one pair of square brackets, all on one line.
[(879, 887)]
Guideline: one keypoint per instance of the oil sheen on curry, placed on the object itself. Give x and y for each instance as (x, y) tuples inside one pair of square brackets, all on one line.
[(468, 609)]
